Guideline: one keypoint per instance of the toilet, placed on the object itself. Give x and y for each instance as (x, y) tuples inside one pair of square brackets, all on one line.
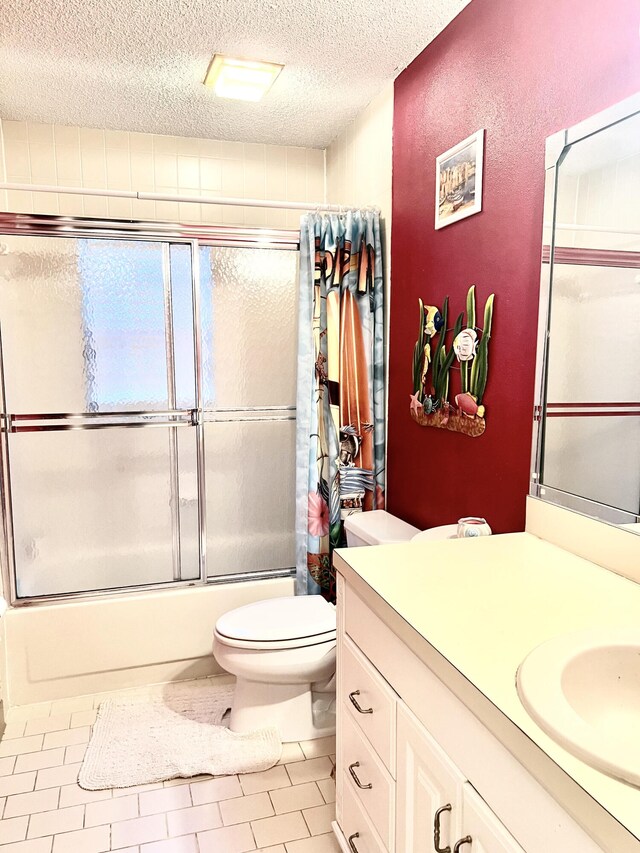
[(379, 527), (283, 650), (283, 654)]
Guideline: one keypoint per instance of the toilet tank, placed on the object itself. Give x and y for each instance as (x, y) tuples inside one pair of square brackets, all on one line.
[(377, 527)]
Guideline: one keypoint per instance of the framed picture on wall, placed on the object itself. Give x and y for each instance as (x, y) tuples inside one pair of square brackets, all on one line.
[(459, 180)]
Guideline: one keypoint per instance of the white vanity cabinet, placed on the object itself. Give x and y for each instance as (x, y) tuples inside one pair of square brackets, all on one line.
[(416, 772), (437, 809)]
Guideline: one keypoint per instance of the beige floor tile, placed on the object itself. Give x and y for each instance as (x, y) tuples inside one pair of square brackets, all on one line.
[(230, 839), (14, 829), (319, 818), (74, 754), (185, 844), (310, 770), (318, 747), (111, 811), (7, 765), (171, 783), (165, 800), (83, 718), (28, 712), (142, 830), (244, 809), (68, 737), (74, 795), (52, 777), (19, 783), (214, 790), (327, 789), (296, 797), (3, 801), (69, 706), (195, 819), (95, 840), (268, 780), (42, 725), (137, 789), (291, 752), (135, 849), (51, 823), (14, 730), (37, 845), (39, 760), (333, 758), (37, 801), (279, 848), (21, 745), (316, 844), (279, 829)]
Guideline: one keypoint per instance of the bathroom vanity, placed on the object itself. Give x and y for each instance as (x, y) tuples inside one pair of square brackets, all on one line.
[(435, 749)]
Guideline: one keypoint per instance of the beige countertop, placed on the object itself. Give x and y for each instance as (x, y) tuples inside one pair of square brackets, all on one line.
[(484, 604)]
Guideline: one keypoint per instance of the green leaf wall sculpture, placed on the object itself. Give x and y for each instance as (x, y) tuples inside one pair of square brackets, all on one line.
[(433, 364)]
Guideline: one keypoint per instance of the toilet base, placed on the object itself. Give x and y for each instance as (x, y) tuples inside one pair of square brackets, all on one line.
[(288, 707)]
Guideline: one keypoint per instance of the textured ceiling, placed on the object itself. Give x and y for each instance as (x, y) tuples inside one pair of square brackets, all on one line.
[(139, 64)]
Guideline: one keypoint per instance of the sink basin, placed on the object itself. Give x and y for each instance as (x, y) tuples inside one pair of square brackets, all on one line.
[(583, 690)]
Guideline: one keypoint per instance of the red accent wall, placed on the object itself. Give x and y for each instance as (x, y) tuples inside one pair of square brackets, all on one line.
[(522, 69)]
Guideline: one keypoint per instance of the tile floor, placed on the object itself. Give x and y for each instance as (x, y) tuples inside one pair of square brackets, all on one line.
[(287, 809)]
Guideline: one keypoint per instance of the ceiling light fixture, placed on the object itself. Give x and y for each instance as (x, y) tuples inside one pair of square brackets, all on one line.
[(242, 79)]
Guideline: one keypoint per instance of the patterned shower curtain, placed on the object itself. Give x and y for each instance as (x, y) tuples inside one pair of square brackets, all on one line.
[(340, 442)]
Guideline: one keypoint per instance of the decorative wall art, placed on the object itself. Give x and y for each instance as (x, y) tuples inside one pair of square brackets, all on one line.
[(459, 181), (433, 363)]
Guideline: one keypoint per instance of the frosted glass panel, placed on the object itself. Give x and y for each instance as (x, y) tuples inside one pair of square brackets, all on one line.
[(84, 325), (182, 318), (595, 457), (92, 509), (249, 310), (250, 496)]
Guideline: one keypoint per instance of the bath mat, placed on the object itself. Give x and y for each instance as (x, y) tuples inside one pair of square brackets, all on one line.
[(179, 733)]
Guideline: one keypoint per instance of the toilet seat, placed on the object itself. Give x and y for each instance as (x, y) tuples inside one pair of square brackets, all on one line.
[(290, 622)]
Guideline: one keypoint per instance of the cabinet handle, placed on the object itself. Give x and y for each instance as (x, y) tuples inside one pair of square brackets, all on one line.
[(436, 829), (351, 844), (354, 702), (466, 840), (355, 778)]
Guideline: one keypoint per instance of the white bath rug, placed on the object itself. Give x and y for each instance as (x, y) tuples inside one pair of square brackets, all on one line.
[(136, 741)]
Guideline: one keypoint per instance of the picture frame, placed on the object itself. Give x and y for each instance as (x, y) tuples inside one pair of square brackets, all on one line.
[(459, 180)]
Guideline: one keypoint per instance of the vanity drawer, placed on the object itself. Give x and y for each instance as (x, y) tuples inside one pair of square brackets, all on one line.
[(358, 831), (369, 702), (361, 763)]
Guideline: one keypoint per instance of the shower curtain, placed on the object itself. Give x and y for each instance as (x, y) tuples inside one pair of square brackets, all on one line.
[(340, 440)]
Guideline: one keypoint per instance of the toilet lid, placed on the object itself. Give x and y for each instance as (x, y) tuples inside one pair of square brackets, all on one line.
[(277, 619)]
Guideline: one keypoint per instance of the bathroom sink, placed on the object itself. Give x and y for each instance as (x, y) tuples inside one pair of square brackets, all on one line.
[(583, 690)]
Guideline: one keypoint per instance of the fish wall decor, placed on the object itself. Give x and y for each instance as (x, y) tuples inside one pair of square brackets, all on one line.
[(432, 365)]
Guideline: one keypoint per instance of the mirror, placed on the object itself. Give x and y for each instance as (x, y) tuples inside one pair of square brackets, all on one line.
[(587, 437)]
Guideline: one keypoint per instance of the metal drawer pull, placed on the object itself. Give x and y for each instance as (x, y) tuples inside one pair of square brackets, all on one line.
[(351, 844), (466, 840), (355, 778), (354, 702), (436, 829)]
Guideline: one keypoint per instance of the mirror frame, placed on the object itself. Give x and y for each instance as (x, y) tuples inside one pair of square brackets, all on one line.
[(557, 147)]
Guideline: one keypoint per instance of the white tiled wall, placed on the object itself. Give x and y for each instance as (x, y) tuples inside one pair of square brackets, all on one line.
[(88, 157), (359, 162)]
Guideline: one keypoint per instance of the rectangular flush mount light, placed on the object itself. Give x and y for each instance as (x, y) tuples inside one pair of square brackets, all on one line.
[(242, 79)]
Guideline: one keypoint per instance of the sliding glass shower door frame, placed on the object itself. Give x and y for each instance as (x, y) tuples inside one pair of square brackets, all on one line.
[(168, 234)]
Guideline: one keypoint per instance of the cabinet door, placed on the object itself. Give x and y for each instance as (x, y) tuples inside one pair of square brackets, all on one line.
[(486, 833), (427, 781)]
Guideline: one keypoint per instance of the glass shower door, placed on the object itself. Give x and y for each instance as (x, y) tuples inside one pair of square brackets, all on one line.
[(99, 413), (249, 338)]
